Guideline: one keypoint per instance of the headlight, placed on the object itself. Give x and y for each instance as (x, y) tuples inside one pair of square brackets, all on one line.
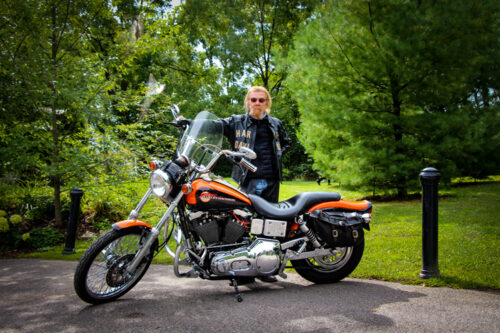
[(160, 183)]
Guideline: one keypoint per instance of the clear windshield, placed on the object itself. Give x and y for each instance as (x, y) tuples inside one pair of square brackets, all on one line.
[(203, 139)]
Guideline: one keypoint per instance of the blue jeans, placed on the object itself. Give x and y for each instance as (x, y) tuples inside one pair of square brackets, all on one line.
[(260, 186), (265, 188)]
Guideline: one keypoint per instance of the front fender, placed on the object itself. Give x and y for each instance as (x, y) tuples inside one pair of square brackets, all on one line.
[(129, 224)]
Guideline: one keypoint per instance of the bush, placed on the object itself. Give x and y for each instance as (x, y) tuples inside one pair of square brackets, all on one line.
[(40, 207), (43, 237), (16, 219), (9, 234), (104, 211), (10, 198), (4, 225)]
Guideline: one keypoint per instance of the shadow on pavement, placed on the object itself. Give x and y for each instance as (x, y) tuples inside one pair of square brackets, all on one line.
[(38, 296)]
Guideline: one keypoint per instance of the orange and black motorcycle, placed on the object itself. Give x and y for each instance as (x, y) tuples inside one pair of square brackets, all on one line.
[(218, 231)]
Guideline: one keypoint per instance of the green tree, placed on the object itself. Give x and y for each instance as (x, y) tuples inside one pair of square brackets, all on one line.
[(384, 86), (241, 41), (70, 71), (245, 36), (47, 64)]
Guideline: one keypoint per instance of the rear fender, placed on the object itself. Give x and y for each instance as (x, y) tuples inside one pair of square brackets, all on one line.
[(363, 206), (129, 224)]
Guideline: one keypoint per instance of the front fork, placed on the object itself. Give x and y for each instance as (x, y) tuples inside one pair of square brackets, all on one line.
[(152, 236)]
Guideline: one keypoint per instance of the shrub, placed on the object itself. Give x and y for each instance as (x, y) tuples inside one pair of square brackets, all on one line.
[(8, 234), (16, 219), (43, 237), (10, 198), (106, 209), (41, 207), (4, 225), (2, 213)]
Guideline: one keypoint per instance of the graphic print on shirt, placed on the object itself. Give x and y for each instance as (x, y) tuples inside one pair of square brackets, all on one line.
[(242, 134)]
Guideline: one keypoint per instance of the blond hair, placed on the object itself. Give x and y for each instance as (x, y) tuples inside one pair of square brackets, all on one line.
[(260, 89)]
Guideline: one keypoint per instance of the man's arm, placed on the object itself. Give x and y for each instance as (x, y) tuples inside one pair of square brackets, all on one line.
[(228, 125), (284, 138)]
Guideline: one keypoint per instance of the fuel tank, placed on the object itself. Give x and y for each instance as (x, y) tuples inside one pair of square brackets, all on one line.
[(213, 194)]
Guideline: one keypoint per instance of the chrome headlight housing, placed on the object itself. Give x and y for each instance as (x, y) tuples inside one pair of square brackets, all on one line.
[(160, 183)]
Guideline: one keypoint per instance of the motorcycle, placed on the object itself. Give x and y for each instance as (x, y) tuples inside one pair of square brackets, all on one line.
[(219, 232)]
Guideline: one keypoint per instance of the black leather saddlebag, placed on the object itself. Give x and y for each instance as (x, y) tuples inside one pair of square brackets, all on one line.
[(338, 229)]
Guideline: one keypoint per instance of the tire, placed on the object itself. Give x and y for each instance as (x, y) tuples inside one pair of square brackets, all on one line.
[(99, 279), (330, 269)]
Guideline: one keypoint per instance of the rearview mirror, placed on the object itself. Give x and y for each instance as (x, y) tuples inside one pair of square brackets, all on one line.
[(249, 153), (175, 111)]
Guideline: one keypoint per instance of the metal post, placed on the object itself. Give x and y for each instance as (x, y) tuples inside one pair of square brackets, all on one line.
[(74, 212), (429, 177)]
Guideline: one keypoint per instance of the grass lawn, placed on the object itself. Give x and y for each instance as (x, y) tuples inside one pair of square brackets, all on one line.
[(469, 234), (468, 241)]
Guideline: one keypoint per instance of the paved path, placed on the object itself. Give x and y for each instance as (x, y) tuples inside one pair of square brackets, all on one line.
[(38, 296)]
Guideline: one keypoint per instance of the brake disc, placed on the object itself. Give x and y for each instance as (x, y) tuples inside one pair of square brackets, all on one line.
[(117, 274)]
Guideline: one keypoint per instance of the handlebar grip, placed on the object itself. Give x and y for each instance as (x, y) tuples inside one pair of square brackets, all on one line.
[(183, 121), (248, 165), (180, 122)]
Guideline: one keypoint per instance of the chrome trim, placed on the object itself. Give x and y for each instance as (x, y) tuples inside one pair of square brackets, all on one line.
[(165, 181), (146, 248), (309, 233), (153, 235), (262, 257), (291, 243), (292, 255), (134, 214), (311, 254)]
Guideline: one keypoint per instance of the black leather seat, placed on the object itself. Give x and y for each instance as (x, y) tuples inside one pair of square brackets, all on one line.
[(292, 207)]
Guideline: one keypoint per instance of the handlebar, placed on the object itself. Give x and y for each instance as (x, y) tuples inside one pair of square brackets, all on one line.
[(180, 122), (248, 165), (229, 153)]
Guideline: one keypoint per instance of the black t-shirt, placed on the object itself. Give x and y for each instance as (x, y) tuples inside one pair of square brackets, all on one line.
[(263, 147)]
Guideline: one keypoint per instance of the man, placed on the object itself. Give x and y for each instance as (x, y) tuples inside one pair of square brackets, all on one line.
[(266, 136)]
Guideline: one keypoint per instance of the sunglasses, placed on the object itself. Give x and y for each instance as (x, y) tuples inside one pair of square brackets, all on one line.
[(261, 100)]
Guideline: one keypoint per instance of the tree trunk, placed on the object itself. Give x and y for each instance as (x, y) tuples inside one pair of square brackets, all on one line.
[(400, 181), (57, 200), (55, 177)]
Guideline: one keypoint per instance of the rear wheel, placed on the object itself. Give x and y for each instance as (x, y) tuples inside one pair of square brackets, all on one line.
[(101, 275), (331, 268)]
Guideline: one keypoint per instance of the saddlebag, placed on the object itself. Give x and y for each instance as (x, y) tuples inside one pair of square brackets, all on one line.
[(337, 229)]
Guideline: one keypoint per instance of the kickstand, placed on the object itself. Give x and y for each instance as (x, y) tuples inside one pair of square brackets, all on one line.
[(238, 295)]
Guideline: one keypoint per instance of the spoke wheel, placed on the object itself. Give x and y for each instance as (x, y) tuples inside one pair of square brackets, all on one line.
[(331, 268), (332, 262), (101, 275)]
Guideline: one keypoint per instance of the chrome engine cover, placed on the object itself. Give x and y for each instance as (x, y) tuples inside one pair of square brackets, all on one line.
[(261, 258)]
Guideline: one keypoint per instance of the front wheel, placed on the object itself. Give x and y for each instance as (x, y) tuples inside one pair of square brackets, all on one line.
[(332, 268), (101, 275)]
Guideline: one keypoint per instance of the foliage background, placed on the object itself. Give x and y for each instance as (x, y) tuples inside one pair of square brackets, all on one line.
[(386, 88), (369, 91)]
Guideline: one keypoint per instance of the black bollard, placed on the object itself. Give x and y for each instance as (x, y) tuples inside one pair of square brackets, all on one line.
[(429, 177), (74, 212)]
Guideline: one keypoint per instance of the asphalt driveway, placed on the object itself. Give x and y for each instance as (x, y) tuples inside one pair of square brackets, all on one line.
[(38, 296)]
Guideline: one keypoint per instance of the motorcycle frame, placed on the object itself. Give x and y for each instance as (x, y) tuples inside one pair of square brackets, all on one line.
[(194, 171), (154, 232)]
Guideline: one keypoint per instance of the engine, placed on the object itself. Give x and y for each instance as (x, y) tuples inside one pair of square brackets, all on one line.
[(261, 258), (220, 228)]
